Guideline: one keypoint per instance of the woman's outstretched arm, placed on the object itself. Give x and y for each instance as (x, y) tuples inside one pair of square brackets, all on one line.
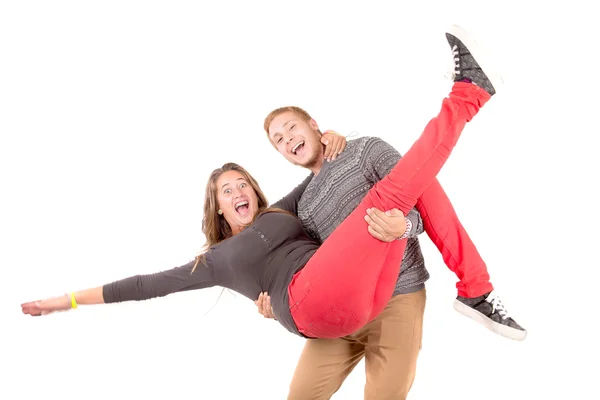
[(63, 303), (139, 287)]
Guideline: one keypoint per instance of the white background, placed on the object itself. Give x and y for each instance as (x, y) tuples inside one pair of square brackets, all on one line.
[(113, 113)]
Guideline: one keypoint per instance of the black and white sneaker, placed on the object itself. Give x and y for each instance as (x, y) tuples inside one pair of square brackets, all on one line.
[(489, 311), (466, 65)]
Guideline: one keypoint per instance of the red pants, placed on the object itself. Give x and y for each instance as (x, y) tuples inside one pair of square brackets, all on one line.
[(352, 276)]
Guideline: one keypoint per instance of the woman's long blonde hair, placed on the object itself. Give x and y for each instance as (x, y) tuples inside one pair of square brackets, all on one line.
[(214, 226)]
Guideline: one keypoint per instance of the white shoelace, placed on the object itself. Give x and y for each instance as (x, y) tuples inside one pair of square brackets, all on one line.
[(456, 60), (496, 303), (455, 70), (451, 73)]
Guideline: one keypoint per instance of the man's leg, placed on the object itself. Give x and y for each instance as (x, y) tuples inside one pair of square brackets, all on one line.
[(323, 366), (393, 346), (391, 342)]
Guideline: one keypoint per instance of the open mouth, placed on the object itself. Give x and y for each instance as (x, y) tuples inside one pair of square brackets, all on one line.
[(242, 208), (297, 149)]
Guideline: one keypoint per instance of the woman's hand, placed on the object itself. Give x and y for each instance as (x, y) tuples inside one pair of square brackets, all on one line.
[(47, 306), (334, 144)]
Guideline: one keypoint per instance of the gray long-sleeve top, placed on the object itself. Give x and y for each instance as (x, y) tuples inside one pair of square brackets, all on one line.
[(262, 258)]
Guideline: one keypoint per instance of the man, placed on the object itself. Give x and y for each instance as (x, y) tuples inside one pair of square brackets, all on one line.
[(390, 343)]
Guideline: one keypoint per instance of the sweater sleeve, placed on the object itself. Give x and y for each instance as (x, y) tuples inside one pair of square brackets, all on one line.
[(143, 287), (290, 202), (377, 160), (417, 223)]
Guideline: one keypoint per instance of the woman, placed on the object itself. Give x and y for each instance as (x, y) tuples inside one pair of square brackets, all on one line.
[(254, 249)]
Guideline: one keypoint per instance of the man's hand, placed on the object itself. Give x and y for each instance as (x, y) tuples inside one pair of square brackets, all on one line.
[(387, 226), (334, 144), (264, 305)]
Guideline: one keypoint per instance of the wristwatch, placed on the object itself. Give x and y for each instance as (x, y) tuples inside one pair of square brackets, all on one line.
[(408, 229)]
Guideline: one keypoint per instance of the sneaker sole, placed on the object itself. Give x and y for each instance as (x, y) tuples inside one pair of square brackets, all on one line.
[(469, 41), (502, 330)]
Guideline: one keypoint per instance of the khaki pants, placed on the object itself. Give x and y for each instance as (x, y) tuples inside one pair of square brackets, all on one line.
[(390, 345)]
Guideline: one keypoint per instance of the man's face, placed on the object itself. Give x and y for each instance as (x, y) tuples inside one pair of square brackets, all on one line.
[(299, 141)]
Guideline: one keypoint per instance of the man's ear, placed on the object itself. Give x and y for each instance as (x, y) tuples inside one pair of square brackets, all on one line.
[(313, 124)]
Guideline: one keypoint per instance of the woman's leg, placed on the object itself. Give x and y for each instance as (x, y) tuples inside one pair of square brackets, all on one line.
[(351, 277), (458, 251)]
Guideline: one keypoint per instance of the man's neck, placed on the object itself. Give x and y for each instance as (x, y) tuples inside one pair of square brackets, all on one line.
[(316, 167)]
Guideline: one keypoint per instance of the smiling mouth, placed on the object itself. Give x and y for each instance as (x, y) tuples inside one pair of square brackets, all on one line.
[(242, 208), (297, 147)]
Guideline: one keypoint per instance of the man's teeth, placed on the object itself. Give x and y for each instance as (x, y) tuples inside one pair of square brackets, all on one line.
[(296, 147)]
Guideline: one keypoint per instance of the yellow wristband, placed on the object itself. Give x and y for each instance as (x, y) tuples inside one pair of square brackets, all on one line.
[(73, 301)]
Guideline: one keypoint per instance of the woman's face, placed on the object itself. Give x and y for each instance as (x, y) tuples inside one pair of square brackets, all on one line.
[(237, 199)]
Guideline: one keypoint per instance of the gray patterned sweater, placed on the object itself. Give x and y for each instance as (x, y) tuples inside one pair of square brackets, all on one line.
[(338, 189)]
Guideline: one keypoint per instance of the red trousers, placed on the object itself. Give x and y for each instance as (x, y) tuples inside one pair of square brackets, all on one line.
[(352, 276)]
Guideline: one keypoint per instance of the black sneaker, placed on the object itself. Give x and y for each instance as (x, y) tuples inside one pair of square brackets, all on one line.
[(465, 66), (489, 311)]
